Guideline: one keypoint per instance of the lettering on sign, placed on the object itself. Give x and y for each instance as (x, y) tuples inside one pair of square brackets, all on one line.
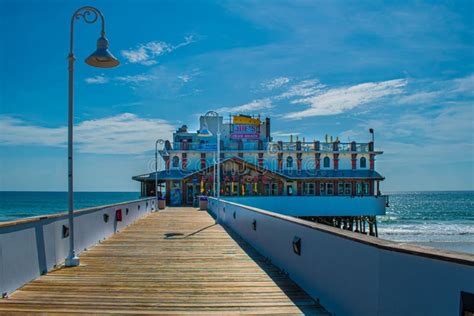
[(245, 131)]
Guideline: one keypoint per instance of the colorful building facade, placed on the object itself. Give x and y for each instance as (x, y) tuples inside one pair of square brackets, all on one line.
[(252, 164)]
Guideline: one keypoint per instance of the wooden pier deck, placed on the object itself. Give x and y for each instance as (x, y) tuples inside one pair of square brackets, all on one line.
[(171, 262)]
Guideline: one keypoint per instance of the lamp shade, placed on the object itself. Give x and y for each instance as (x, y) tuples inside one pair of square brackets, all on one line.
[(102, 57)]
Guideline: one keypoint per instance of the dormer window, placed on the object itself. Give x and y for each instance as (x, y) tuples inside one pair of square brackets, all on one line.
[(326, 162), (175, 162), (289, 162), (363, 162)]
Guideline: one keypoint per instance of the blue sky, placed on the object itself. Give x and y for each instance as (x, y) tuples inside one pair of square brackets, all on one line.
[(338, 67)]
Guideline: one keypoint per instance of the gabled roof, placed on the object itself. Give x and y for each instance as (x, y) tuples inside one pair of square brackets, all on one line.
[(178, 174)]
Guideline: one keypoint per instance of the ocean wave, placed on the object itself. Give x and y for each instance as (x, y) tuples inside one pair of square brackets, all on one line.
[(428, 232), (415, 233)]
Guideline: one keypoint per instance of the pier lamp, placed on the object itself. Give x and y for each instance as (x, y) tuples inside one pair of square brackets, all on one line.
[(158, 141), (372, 132), (205, 132), (101, 58)]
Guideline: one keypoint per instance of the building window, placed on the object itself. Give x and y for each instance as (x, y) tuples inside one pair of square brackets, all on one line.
[(289, 162), (175, 162), (326, 162), (329, 188), (365, 188), (340, 188), (362, 188), (271, 189), (344, 188), (363, 162), (326, 188), (348, 188), (308, 188), (322, 188)]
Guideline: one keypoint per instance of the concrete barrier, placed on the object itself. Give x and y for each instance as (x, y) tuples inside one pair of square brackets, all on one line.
[(354, 274), (33, 246), (317, 205)]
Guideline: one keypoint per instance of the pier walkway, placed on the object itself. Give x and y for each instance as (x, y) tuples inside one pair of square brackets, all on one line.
[(175, 261)]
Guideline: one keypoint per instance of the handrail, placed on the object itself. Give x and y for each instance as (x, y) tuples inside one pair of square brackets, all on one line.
[(275, 147)]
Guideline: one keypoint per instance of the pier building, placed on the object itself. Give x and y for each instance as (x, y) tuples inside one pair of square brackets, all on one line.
[(339, 178)]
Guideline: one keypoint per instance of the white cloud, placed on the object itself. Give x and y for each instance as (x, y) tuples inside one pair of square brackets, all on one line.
[(442, 126), (275, 83), (255, 105), (146, 54), (18, 132), (419, 97), (186, 77), (121, 134), (439, 91), (135, 78), (187, 40), (339, 100), (303, 88), (97, 80), (465, 84)]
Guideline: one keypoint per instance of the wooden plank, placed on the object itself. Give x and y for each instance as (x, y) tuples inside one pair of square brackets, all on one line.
[(176, 261)]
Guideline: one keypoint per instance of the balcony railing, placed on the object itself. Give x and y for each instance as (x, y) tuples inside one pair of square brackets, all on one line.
[(273, 147)]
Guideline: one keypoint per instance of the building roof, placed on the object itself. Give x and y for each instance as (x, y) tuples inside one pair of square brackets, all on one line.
[(175, 174), (163, 175), (331, 174)]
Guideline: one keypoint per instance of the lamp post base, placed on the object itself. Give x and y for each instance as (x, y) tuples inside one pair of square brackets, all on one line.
[(72, 262)]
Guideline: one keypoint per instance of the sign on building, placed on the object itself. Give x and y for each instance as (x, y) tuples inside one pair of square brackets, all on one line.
[(245, 128)]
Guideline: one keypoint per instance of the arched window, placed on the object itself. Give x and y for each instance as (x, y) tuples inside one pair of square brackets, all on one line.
[(175, 162), (289, 162), (326, 162), (363, 162)]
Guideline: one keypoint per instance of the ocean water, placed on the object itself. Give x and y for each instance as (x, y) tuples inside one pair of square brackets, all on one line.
[(15, 205), (434, 219)]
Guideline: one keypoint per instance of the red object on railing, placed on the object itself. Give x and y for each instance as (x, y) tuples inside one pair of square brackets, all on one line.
[(118, 215)]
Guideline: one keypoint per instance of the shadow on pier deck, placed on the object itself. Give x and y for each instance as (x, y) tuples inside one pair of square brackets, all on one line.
[(172, 262)]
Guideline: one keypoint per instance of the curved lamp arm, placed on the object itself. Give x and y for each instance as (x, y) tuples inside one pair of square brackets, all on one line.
[(89, 15)]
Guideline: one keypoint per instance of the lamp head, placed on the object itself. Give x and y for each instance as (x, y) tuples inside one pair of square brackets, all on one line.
[(102, 57)]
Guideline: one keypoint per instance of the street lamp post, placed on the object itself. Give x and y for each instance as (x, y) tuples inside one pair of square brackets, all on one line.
[(101, 58), (158, 141), (214, 178), (207, 133)]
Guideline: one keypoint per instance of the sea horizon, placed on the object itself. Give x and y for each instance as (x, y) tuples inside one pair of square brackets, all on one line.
[(383, 192), (438, 219)]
